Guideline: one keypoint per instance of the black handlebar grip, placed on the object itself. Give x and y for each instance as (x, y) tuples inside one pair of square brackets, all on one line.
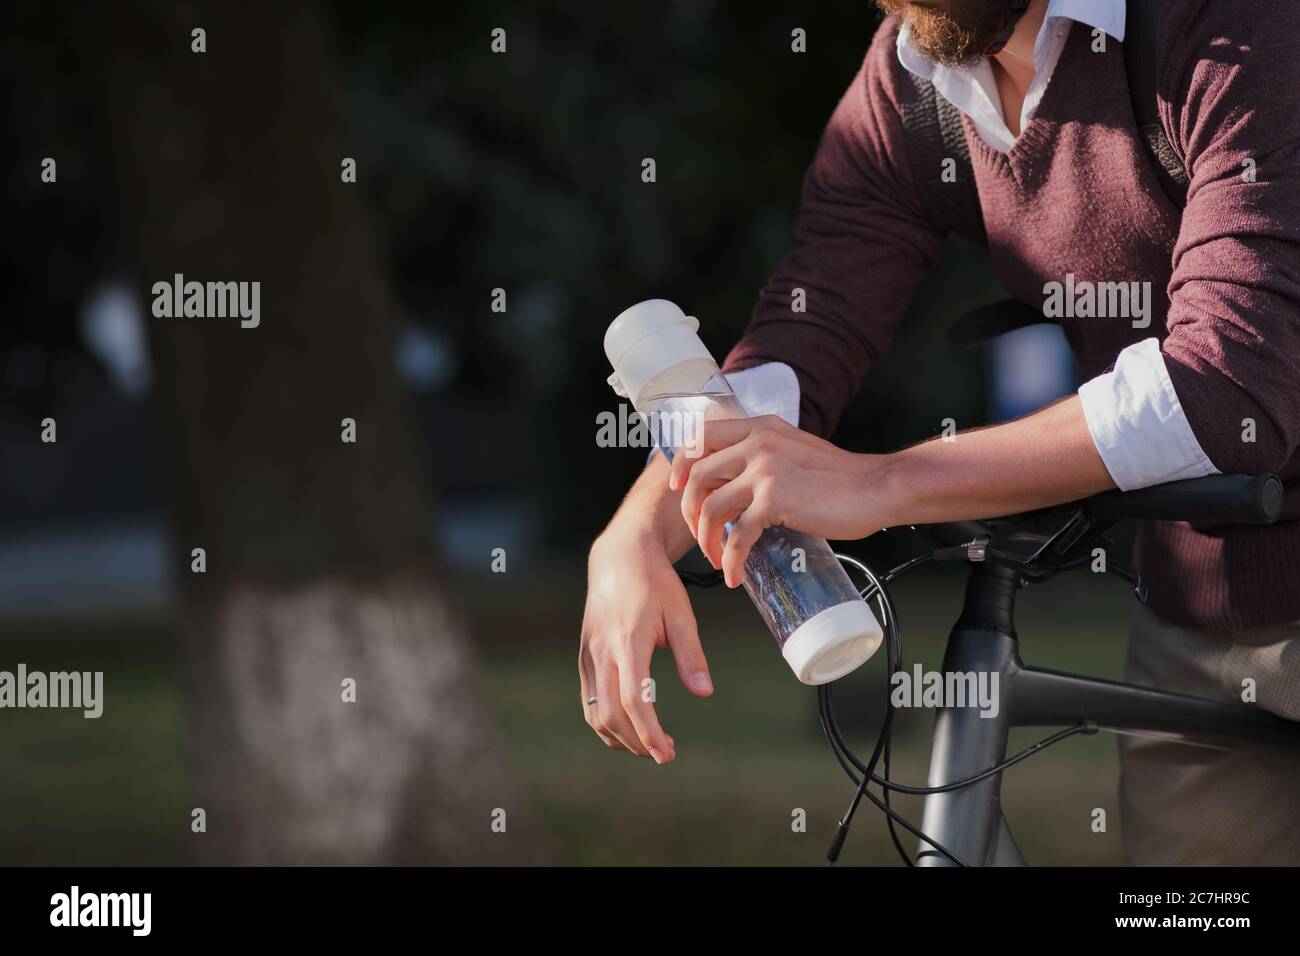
[(1214, 499)]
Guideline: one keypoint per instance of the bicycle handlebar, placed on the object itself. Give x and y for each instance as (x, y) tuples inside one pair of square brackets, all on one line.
[(1214, 499)]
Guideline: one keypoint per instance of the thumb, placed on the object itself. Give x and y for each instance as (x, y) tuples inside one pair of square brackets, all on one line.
[(684, 641)]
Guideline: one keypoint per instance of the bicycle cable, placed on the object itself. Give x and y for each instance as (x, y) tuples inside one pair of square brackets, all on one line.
[(848, 760)]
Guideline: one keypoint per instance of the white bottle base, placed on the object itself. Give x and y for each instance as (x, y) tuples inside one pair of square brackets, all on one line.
[(833, 643)]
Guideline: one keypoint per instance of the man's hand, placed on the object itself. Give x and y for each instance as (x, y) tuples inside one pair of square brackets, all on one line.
[(635, 603), (760, 472)]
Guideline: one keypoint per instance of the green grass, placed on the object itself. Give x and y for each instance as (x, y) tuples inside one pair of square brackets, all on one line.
[(76, 791), (95, 791)]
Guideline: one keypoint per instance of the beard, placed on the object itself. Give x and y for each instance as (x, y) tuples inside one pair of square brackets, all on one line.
[(952, 32)]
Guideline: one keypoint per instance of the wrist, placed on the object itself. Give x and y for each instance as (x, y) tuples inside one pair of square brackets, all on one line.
[(640, 534), (893, 487), (622, 533)]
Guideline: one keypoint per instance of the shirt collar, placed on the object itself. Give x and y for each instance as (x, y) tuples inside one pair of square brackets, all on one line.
[(1105, 15)]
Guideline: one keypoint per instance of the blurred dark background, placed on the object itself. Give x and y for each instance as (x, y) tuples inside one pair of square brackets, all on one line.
[(476, 171)]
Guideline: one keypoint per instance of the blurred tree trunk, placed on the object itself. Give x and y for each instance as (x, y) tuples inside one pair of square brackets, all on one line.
[(319, 560)]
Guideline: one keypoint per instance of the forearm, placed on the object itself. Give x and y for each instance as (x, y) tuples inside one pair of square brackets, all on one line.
[(1044, 459), (652, 513)]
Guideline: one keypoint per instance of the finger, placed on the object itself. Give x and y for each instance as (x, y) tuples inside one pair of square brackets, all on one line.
[(710, 437), (688, 654), (613, 720), (709, 474), (744, 532), (589, 711), (638, 703), (722, 505)]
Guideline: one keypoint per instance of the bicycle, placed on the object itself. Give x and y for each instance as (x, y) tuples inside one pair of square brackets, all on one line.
[(962, 822)]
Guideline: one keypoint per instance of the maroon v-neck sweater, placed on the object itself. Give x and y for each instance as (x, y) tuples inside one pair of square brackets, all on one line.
[(1077, 194)]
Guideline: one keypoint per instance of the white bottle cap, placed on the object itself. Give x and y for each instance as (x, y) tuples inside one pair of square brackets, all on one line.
[(833, 642), (654, 349)]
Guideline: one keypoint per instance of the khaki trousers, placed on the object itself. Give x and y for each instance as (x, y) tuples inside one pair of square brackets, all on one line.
[(1193, 806)]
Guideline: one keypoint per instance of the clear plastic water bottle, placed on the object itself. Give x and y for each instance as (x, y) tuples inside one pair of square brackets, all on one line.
[(823, 627)]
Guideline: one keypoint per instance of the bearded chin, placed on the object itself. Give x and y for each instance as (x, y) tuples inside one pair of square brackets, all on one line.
[(955, 36)]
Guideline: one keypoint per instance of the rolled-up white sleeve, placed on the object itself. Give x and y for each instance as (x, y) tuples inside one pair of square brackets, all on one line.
[(1138, 424), (768, 389)]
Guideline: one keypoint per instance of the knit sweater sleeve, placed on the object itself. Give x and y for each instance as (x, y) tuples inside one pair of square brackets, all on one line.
[(862, 245), (1230, 103)]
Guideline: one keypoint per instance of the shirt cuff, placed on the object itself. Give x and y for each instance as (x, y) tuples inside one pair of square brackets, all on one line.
[(768, 389), (1138, 424)]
